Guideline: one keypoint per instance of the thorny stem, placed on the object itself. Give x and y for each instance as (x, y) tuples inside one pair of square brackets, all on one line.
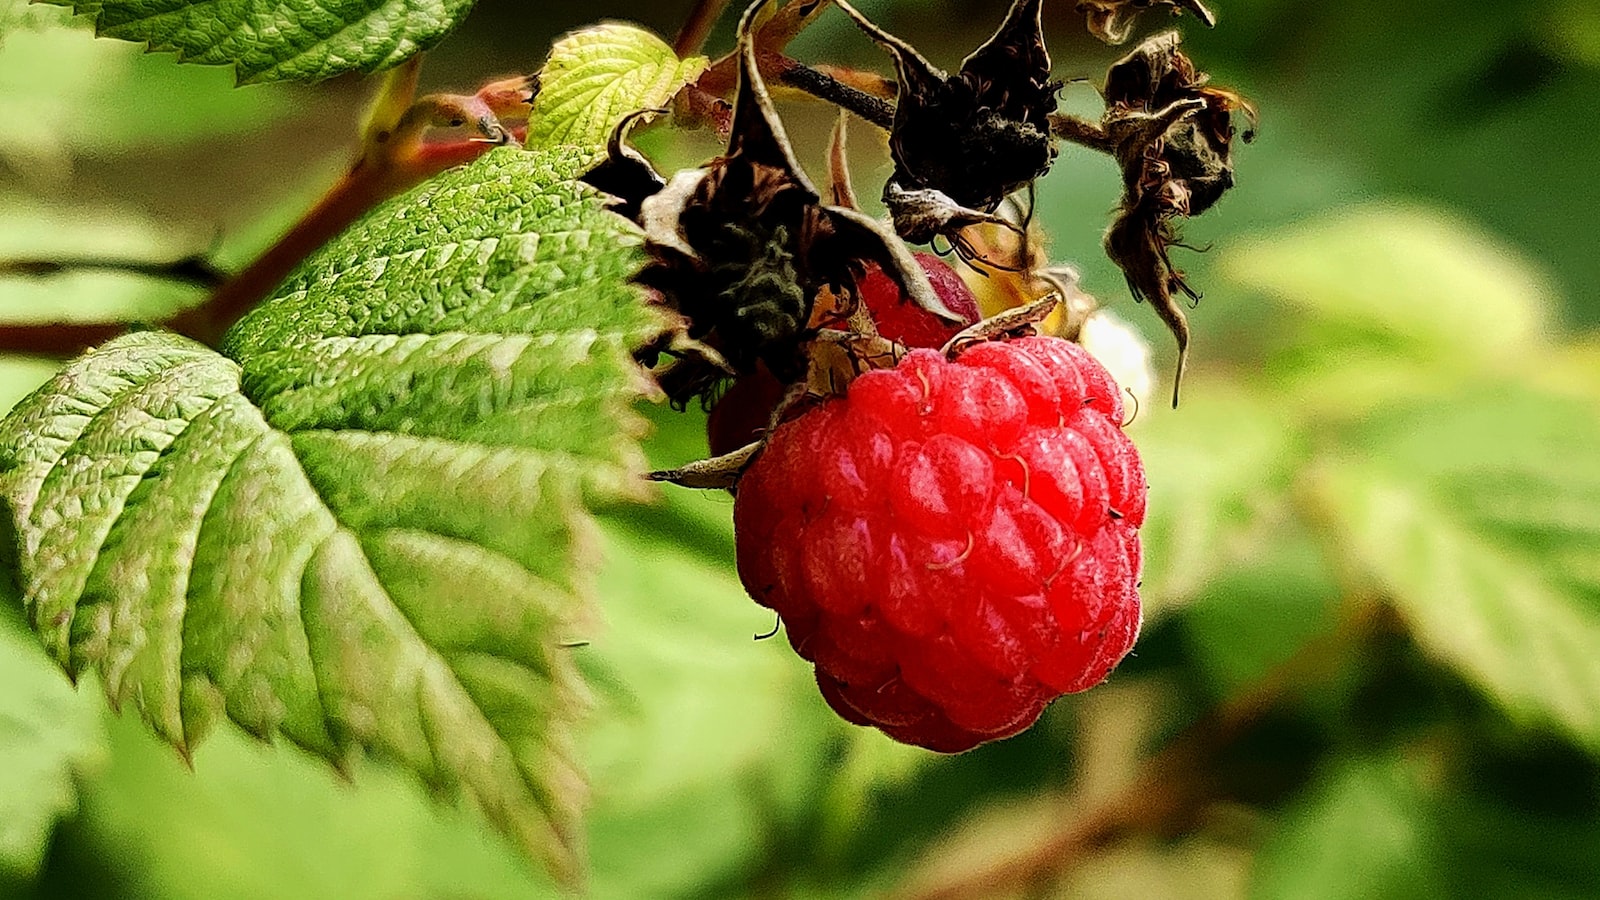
[(1171, 788)]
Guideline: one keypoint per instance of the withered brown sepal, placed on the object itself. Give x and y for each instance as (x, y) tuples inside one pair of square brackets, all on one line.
[(741, 248), (1172, 135), (1112, 20), (969, 139)]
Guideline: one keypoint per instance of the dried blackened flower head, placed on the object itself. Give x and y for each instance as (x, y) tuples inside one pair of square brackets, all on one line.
[(966, 141), (1172, 134), (1112, 20), (743, 247), (1157, 101), (625, 174)]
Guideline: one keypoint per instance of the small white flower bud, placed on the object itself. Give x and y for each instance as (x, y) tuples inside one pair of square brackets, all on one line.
[(1122, 350)]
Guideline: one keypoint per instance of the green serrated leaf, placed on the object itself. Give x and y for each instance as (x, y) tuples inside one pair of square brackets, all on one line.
[(596, 76), (48, 736), (1477, 520), (363, 526), (280, 40)]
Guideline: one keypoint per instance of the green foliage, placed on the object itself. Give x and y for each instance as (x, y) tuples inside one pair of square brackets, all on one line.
[(1398, 302), (280, 40), (22, 15), (1217, 475), (48, 737), (267, 534), (596, 76), (1384, 410), (252, 821), (37, 231), (66, 95), (1410, 276), (1360, 834), (1485, 544)]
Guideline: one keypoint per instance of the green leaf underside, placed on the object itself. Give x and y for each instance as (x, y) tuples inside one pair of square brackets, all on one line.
[(596, 76), (280, 40), (360, 527), (1479, 521)]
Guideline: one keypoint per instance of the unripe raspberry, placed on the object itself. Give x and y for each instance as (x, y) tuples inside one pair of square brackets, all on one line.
[(952, 544), (900, 320), (743, 413)]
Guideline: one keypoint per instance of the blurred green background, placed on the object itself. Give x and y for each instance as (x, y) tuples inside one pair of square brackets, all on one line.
[(1371, 659)]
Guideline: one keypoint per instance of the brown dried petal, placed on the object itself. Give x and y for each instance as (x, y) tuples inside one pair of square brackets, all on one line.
[(1112, 20)]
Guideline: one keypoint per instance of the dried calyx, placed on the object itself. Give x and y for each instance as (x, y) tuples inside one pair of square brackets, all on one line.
[(743, 248), (1172, 135), (763, 269), (961, 143), (1112, 20)]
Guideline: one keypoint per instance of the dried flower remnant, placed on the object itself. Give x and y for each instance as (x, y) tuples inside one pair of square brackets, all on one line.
[(1172, 135), (743, 247), (961, 143), (1112, 20)]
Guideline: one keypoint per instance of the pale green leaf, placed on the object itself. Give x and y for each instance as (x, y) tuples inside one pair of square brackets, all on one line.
[(49, 736), (1419, 281), (1572, 30), (596, 76), (280, 40), (1478, 520), (22, 15), (252, 822), (365, 528), (65, 95), (695, 718), (1255, 615), (1217, 469)]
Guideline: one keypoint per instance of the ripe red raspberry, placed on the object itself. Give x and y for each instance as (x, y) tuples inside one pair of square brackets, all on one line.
[(742, 414), (952, 544)]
